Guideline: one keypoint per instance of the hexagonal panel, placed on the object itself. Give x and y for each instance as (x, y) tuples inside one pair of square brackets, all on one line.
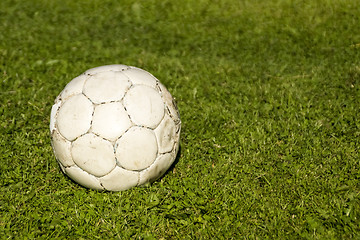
[(165, 134), (144, 105), (106, 68), (74, 87), (160, 166), (106, 87), (53, 113), (136, 149), (83, 178), (139, 76), (74, 117), (61, 148), (170, 103), (93, 154), (110, 120), (119, 179)]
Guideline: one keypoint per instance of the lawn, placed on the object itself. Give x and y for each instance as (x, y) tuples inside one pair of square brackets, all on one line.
[(269, 97)]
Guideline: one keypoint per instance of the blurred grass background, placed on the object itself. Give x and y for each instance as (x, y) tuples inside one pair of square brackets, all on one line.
[(269, 96)]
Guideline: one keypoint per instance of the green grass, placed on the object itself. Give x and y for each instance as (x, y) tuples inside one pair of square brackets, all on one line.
[(269, 97)]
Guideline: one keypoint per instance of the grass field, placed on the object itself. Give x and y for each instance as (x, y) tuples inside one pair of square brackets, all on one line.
[(269, 97)]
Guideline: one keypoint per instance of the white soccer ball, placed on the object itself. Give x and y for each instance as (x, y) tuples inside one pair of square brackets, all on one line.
[(115, 127)]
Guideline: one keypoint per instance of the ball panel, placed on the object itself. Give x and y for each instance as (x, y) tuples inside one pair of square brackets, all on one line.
[(144, 105), (177, 143), (53, 113), (74, 87), (169, 102), (136, 149), (110, 120), (83, 178), (119, 179), (141, 77), (106, 87), (160, 166), (106, 68), (62, 148), (74, 117), (166, 134), (93, 154), (62, 167)]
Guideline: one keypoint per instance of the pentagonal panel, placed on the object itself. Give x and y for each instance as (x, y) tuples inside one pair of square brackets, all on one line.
[(74, 87), (53, 113), (93, 154), (83, 178), (170, 103), (159, 167), (144, 105), (165, 134), (139, 76), (106, 87), (61, 148), (106, 68), (119, 179), (136, 149), (74, 117), (110, 120)]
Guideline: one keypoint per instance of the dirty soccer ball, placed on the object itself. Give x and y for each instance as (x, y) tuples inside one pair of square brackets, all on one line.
[(115, 127)]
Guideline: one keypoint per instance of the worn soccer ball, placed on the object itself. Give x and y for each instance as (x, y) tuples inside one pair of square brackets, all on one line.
[(115, 127)]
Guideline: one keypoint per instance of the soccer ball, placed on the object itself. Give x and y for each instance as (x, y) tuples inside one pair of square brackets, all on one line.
[(115, 127)]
